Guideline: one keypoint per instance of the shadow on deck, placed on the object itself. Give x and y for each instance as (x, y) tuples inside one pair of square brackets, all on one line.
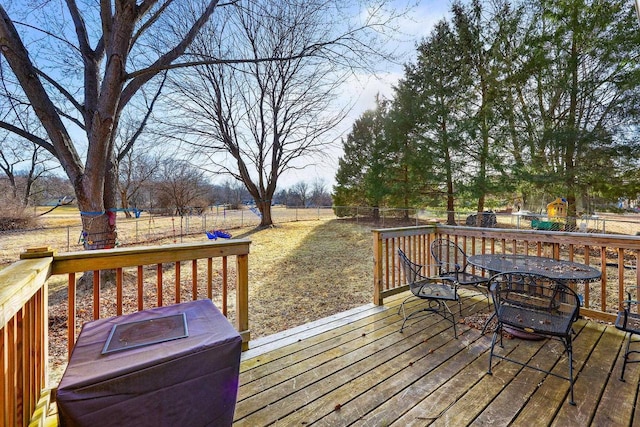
[(355, 368)]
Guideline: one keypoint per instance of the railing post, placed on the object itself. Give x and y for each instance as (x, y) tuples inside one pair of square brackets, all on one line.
[(242, 299), (377, 268)]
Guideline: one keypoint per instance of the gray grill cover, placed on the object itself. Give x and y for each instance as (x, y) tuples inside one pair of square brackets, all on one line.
[(190, 381)]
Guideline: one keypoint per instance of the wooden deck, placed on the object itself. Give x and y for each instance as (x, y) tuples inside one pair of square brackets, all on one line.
[(355, 368)]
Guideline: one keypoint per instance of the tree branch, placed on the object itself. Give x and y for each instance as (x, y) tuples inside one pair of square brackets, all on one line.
[(28, 136), (161, 63)]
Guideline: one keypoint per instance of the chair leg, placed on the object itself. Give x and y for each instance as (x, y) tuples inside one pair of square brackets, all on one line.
[(626, 357), (493, 344), (442, 309), (453, 319), (570, 354)]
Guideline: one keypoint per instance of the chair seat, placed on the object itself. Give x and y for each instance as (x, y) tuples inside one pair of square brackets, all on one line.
[(465, 278), (433, 290), (536, 321), (633, 322)]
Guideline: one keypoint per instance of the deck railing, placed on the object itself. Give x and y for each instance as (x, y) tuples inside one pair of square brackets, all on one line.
[(24, 318), (616, 257)]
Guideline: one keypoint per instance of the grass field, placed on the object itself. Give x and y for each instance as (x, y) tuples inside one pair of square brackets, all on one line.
[(298, 272), (315, 261)]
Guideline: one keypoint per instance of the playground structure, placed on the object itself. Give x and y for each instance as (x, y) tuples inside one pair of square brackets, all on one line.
[(556, 216)]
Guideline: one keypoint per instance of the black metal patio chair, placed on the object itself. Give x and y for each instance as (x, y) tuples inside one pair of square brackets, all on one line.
[(528, 303), (432, 289), (628, 321), (452, 266)]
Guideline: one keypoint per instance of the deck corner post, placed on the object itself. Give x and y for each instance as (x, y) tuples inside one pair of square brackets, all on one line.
[(377, 268), (242, 299)]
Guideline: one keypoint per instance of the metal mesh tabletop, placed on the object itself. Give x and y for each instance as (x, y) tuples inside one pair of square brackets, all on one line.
[(556, 269)]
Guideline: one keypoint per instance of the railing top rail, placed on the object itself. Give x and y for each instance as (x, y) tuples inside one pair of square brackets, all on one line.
[(19, 282), (387, 233), (562, 237), (103, 259)]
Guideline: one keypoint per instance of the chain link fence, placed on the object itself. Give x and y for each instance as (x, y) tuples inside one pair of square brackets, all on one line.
[(151, 228), (603, 223)]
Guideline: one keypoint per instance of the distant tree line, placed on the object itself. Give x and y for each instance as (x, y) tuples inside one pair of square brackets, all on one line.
[(145, 183), (506, 103)]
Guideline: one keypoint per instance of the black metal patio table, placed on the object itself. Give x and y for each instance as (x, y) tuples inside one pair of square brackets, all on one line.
[(566, 271)]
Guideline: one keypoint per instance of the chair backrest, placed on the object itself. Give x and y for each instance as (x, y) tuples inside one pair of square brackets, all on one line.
[(546, 304), (410, 268), (449, 257)]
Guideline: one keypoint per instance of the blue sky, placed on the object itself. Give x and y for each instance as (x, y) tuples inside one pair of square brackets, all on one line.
[(362, 89)]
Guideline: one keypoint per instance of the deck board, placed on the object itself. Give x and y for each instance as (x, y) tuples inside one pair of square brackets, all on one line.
[(357, 369), (618, 400)]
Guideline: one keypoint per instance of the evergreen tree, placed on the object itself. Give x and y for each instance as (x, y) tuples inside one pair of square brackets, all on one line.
[(361, 179)]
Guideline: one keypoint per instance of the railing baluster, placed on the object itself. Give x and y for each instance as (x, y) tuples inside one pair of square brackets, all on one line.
[(140, 286), (225, 287), (194, 279), (177, 282), (71, 310), (621, 286), (96, 294), (159, 283), (210, 278), (13, 368), (119, 296)]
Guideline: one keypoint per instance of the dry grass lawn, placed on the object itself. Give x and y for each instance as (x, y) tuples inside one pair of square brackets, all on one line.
[(298, 272), (303, 271)]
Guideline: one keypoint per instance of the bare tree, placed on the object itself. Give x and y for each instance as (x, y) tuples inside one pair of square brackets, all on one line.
[(117, 49), (23, 164), (319, 194), (136, 161), (134, 171), (182, 188), (233, 193), (254, 121), (301, 191)]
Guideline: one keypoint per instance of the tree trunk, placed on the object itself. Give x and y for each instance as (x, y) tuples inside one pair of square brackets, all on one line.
[(99, 219), (124, 203), (265, 210)]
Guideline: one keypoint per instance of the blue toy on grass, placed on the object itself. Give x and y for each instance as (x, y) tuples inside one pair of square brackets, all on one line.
[(214, 234)]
